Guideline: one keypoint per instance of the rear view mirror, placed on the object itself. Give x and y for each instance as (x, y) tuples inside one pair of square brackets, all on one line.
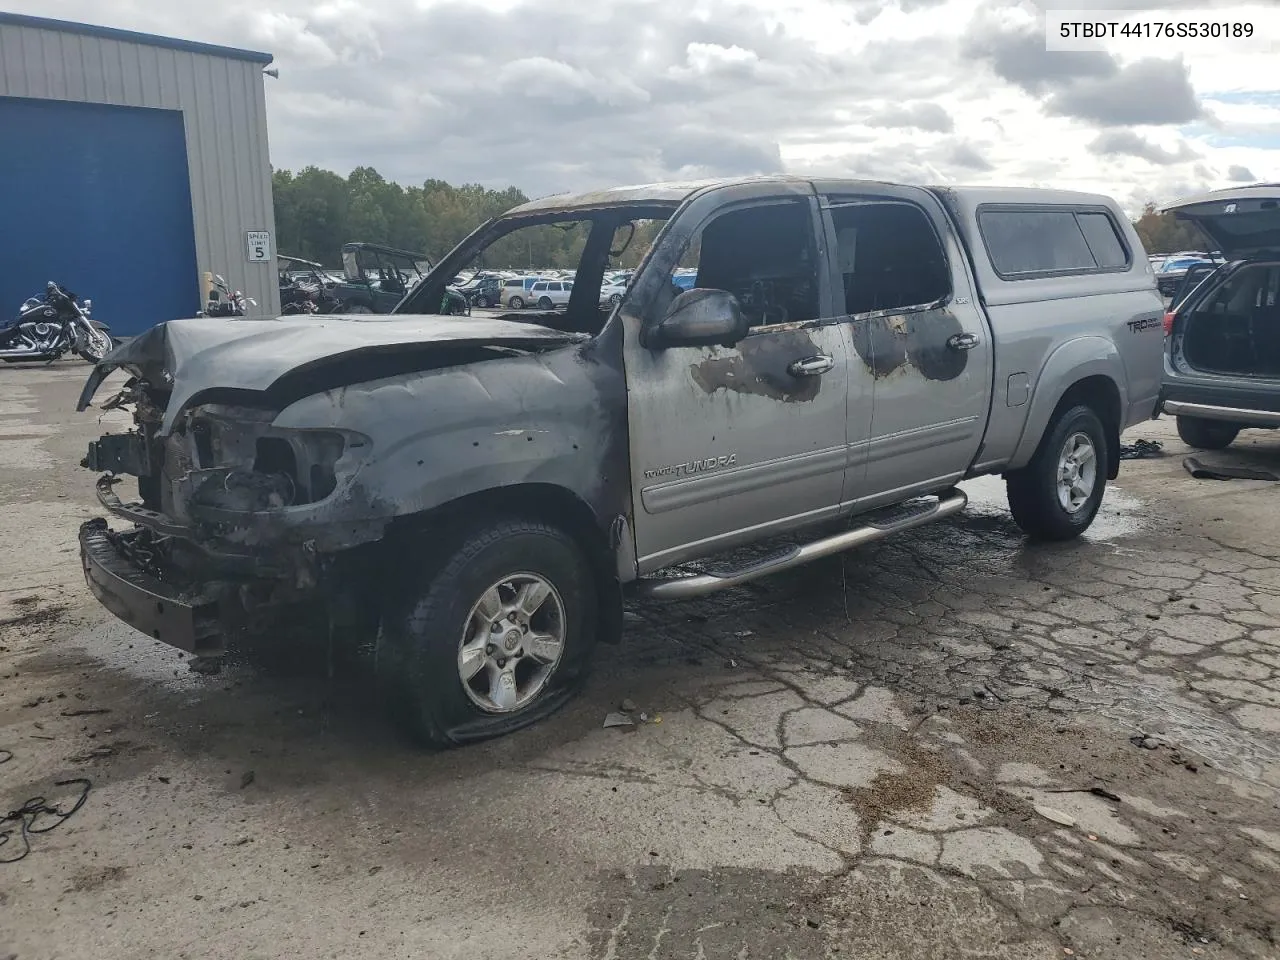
[(701, 318)]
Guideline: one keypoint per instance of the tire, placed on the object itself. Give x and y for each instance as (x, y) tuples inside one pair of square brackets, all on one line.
[(1035, 497), (615, 299), (93, 352), (516, 303), (1206, 434), (427, 623), (546, 304), (482, 302), (360, 308)]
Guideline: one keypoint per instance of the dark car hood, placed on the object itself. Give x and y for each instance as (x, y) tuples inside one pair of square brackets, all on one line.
[(215, 353)]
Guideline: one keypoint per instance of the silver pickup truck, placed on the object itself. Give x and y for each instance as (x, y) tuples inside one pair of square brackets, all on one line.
[(480, 493)]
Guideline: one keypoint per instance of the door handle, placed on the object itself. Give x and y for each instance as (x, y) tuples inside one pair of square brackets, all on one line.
[(963, 341), (812, 366)]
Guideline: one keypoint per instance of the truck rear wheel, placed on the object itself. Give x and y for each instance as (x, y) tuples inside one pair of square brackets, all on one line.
[(1206, 434), (1057, 495), (490, 634)]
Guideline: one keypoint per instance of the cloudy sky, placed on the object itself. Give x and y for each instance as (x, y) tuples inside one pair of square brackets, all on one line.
[(557, 95)]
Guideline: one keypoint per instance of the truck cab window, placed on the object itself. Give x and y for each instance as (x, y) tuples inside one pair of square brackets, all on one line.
[(889, 256), (765, 256)]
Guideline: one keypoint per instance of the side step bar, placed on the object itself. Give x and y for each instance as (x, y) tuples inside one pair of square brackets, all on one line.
[(876, 526)]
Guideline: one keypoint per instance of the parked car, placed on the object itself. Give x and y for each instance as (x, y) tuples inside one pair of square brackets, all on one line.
[(377, 277), (612, 292), (1222, 353), (549, 294), (478, 495), (483, 290), (515, 292), (1172, 271)]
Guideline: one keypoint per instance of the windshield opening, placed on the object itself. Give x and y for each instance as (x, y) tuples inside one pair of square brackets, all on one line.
[(555, 269)]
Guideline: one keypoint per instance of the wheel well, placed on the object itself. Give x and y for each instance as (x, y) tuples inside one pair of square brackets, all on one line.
[(1100, 394), (535, 501)]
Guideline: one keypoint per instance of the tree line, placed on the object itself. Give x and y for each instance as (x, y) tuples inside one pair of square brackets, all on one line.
[(317, 211)]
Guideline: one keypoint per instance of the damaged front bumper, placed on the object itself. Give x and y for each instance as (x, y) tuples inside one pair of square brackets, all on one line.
[(187, 619)]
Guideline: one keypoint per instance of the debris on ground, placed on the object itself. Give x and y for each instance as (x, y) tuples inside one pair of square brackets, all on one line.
[(627, 706), (206, 666), (85, 713), (1141, 449), (94, 754), (1057, 816), (1203, 471), (36, 816), (618, 720), (246, 778)]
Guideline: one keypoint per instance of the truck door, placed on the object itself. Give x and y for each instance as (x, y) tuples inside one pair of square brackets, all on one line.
[(909, 302), (729, 444)]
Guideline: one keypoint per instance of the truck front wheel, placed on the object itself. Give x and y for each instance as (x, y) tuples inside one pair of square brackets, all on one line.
[(1057, 495), (492, 633)]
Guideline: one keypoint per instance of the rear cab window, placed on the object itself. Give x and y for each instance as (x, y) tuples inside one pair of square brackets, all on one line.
[(1025, 242)]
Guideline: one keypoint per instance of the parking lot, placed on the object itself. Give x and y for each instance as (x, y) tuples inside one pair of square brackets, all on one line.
[(950, 744)]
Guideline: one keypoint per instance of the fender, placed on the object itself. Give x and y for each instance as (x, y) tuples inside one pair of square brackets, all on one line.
[(554, 419), (1067, 365), (99, 325)]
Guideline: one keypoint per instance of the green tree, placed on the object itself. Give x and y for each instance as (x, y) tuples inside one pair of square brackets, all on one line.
[(1161, 233)]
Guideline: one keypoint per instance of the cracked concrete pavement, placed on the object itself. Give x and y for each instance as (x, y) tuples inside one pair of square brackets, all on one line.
[(950, 744)]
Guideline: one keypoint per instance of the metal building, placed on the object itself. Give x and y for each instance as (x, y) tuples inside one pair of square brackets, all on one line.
[(131, 165)]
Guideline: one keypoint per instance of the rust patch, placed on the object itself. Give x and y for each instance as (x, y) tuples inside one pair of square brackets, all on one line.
[(887, 341), (760, 368)]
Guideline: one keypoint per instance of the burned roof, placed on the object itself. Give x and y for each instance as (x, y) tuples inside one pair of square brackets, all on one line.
[(671, 193)]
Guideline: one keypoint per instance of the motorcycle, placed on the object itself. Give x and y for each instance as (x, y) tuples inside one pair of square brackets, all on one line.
[(223, 302), (50, 325)]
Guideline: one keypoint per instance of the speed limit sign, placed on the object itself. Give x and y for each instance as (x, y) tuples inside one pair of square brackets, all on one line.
[(258, 243)]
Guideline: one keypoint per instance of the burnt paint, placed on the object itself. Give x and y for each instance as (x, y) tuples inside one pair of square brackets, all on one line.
[(759, 368), (886, 341)]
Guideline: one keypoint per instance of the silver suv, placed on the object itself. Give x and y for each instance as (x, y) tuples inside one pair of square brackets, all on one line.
[(1222, 360), (479, 493), (549, 294)]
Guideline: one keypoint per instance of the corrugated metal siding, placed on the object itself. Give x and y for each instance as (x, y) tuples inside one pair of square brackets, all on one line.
[(224, 107)]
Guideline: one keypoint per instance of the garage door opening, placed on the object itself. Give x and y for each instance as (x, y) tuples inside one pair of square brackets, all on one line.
[(98, 198)]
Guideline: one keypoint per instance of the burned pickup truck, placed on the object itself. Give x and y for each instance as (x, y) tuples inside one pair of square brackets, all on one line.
[(479, 494)]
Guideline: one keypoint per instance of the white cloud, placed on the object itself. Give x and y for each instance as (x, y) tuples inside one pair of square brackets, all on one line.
[(552, 95)]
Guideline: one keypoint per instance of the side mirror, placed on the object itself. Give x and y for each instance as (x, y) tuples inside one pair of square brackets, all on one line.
[(701, 318)]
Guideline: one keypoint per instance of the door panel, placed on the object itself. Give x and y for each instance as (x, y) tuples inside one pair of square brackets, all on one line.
[(730, 444), (918, 330)]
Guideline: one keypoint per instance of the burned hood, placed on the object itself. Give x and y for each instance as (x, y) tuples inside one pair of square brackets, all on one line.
[(190, 357)]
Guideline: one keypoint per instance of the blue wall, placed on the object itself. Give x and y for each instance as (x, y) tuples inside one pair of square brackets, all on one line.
[(97, 198)]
